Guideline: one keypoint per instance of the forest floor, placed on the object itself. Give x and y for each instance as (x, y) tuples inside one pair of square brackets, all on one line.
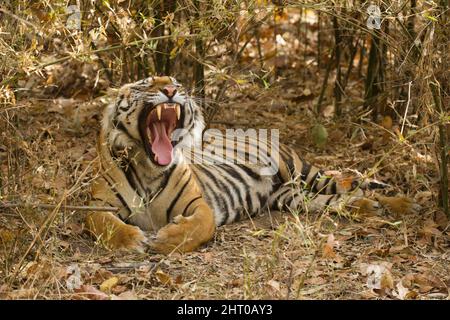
[(301, 256)]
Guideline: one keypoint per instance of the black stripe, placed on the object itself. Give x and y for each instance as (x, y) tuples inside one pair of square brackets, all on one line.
[(324, 185), (174, 201), (333, 187), (313, 182), (134, 180), (131, 112), (216, 199), (355, 184), (306, 168), (122, 108), (124, 165), (278, 199), (233, 185), (220, 186), (285, 153), (330, 199), (283, 192), (237, 217), (262, 199), (249, 201), (189, 204), (290, 166), (122, 128), (250, 172), (264, 158), (277, 181), (167, 175), (119, 196), (235, 174), (376, 185)]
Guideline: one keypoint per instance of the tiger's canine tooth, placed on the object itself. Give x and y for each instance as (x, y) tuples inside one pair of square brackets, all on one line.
[(158, 111), (178, 110)]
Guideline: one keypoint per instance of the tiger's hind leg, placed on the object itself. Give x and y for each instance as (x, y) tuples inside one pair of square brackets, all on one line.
[(293, 199), (398, 205)]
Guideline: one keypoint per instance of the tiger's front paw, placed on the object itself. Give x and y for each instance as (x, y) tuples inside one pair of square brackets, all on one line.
[(178, 236), (399, 205), (126, 237), (113, 233)]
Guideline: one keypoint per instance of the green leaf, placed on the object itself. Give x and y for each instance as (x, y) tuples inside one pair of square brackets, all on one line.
[(319, 135), (431, 18)]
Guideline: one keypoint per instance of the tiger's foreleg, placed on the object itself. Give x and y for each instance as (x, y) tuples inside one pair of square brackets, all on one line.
[(107, 227), (186, 233), (113, 233)]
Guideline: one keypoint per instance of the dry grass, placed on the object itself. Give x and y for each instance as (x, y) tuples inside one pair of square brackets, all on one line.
[(49, 120), (296, 259)]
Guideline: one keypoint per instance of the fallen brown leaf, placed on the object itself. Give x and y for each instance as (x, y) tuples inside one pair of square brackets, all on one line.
[(108, 284), (91, 293)]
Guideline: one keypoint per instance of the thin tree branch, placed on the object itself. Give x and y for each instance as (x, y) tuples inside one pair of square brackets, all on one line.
[(53, 206)]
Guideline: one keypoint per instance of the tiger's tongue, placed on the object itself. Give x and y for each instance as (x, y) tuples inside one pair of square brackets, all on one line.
[(161, 145)]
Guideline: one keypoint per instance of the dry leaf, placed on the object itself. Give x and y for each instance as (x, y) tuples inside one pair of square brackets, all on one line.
[(386, 281), (22, 294), (128, 295), (379, 277), (387, 122), (441, 219), (163, 277), (100, 276), (107, 285), (119, 288), (91, 293), (74, 281), (274, 285), (402, 292), (328, 251)]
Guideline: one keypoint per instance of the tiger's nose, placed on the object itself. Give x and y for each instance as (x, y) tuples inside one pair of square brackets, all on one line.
[(169, 90)]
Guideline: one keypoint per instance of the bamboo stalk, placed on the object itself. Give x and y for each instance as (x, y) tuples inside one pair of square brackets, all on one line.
[(338, 84), (443, 149), (325, 81), (371, 86), (109, 48), (199, 69)]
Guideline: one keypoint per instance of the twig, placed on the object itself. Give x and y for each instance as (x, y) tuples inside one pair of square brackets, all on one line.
[(325, 81), (110, 48), (338, 91), (53, 206), (305, 274), (28, 23), (407, 107)]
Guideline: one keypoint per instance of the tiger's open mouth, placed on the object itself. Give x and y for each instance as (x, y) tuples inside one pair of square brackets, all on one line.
[(161, 123)]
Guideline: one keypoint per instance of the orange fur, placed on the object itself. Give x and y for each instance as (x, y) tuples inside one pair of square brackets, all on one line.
[(114, 233), (365, 207), (186, 233), (398, 205)]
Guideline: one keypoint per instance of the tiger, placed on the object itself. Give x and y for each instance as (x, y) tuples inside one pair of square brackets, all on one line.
[(145, 138)]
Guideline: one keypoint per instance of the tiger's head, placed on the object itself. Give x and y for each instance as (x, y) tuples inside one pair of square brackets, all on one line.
[(156, 113)]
